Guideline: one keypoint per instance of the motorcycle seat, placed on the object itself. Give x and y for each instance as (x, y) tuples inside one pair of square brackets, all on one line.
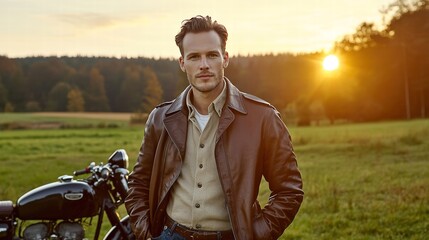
[(6, 208)]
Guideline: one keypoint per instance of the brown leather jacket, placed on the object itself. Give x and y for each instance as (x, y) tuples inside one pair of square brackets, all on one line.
[(252, 141)]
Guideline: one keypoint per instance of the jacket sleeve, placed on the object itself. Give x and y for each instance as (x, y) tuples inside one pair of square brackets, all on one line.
[(280, 169), (137, 201)]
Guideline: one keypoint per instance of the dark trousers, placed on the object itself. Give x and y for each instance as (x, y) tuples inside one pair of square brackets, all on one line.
[(168, 234), (175, 231)]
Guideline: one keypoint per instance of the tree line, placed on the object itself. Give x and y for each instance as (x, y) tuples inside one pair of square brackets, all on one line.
[(95, 84), (384, 74)]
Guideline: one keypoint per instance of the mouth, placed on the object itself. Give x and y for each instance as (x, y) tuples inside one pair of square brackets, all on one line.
[(204, 75)]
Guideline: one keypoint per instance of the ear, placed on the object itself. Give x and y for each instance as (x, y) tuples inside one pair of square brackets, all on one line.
[(225, 59), (182, 64)]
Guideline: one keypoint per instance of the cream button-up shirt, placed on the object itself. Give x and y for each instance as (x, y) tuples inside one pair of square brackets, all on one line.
[(197, 200)]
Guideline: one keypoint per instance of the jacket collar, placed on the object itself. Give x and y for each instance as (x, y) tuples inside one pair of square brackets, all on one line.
[(234, 100), (176, 117)]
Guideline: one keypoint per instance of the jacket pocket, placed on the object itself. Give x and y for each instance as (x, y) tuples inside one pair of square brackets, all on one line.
[(261, 229)]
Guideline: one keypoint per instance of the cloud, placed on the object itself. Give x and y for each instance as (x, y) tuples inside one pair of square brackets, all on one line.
[(87, 19), (95, 20)]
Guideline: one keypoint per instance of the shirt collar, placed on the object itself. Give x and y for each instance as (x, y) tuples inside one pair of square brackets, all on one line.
[(216, 105)]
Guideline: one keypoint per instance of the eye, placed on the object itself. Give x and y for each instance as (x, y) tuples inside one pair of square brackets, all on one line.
[(193, 57), (212, 55)]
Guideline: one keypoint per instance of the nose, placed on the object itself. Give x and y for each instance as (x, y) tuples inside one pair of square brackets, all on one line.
[(204, 64)]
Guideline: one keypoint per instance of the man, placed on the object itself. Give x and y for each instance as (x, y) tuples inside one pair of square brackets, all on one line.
[(204, 154)]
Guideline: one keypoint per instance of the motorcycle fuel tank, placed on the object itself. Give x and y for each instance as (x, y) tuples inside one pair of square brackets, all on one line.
[(59, 200)]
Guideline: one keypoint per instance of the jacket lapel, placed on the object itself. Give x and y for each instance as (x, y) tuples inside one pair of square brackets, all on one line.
[(176, 122), (225, 120), (234, 101)]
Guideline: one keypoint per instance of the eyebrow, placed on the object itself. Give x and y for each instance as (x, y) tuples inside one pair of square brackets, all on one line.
[(211, 52), (197, 53), (191, 54)]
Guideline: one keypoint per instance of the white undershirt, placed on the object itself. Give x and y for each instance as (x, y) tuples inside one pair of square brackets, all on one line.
[(202, 120)]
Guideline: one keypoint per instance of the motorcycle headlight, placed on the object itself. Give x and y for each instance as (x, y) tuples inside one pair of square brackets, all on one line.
[(70, 231), (119, 158), (36, 231)]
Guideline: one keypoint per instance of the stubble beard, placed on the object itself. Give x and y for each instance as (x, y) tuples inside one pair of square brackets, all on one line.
[(207, 88)]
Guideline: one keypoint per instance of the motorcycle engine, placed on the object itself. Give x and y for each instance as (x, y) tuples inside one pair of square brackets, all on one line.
[(70, 231), (36, 231), (65, 231)]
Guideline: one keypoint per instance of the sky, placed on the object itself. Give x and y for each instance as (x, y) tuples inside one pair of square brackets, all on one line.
[(146, 28)]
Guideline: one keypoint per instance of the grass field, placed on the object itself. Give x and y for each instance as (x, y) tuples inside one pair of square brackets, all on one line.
[(361, 181), (51, 120)]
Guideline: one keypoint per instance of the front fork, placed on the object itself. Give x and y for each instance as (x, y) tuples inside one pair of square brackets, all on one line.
[(110, 208), (114, 219)]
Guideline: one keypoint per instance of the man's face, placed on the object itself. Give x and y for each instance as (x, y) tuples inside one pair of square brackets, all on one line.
[(203, 61)]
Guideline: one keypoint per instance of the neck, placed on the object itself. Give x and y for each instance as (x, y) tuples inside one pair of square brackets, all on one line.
[(202, 100)]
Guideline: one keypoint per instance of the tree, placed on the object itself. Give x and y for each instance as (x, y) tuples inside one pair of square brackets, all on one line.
[(131, 91), (388, 64), (12, 79), (113, 73), (58, 97), (410, 29), (140, 90), (9, 107), (152, 91), (44, 75), (32, 106), (400, 8), (95, 97), (3, 96), (365, 36), (76, 103)]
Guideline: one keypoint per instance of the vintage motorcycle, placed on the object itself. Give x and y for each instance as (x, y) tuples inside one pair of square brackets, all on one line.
[(61, 209)]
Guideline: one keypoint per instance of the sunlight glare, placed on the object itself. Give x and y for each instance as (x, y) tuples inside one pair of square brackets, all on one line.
[(330, 62)]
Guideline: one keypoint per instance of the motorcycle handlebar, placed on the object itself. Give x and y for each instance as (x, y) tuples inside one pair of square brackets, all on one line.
[(104, 172), (82, 171), (122, 184), (104, 175)]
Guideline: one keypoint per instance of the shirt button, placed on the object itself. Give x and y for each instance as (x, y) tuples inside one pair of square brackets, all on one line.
[(200, 185), (198, 226), (201, 165), (197, 205), (201, 145)]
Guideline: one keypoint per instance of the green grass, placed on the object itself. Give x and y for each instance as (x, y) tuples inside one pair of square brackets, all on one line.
[(45, 154), (28, 120), (361, 181), (364, 181)]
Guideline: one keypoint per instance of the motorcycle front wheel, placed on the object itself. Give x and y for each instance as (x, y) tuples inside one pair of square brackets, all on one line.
[(115, 234)]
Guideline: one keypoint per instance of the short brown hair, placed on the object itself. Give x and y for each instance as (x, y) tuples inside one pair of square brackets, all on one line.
[(199, 24)]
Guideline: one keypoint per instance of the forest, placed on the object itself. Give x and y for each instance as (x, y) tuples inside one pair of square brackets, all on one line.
[(384, 75)]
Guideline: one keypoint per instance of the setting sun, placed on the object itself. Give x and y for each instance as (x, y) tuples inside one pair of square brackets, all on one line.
[(330, 63)]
